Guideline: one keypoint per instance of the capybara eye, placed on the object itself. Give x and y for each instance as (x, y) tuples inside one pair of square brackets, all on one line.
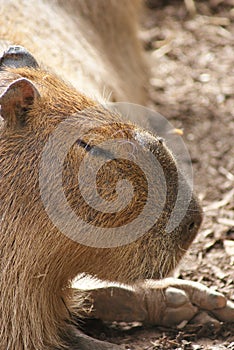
[(95, 150), (84, 145)]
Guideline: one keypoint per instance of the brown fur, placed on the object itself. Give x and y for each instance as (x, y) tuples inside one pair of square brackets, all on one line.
[(38, 262), (92, 44)]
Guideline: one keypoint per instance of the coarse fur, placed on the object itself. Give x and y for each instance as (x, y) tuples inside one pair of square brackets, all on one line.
[(92, 44), (38, 262)]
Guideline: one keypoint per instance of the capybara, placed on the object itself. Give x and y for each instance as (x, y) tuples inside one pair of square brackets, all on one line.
[(39, 260)]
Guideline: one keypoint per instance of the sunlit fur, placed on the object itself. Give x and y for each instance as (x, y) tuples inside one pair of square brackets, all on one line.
[(92, 44), (38, 262), (99, 53)]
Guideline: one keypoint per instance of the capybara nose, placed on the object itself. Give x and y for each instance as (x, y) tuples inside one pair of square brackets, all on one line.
[(195, 220), (182, 213), (191, 222)]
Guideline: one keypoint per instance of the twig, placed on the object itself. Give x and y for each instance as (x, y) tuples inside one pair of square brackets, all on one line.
[(190, 6), (226, 222), (222, 203)]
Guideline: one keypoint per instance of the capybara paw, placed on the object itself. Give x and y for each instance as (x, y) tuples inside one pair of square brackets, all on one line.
[(173, 301)]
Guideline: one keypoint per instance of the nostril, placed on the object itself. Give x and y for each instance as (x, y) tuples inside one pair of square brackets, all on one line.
[(191, 225)]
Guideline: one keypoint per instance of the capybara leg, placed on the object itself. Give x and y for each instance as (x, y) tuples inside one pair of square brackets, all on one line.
[(167, 302)]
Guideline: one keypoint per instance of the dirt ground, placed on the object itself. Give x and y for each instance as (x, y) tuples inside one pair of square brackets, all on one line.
[(191, 53)]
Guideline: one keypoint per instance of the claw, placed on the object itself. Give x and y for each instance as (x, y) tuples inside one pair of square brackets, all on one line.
[(174, 317), (175, 297), (225, 314)]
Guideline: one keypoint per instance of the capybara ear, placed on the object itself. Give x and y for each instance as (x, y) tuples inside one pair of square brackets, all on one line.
[(17, 56), (16, 100)]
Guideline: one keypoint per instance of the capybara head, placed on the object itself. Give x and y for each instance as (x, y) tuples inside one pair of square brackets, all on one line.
[(33, 105), (56, 144)]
